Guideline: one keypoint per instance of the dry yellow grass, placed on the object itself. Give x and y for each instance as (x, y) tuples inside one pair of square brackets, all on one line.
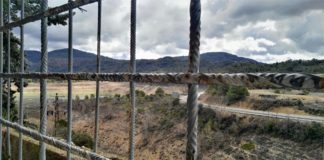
[(311, 97), (288, 110), (106, 88)]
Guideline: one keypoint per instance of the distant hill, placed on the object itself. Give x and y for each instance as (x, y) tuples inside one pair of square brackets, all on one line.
[(209, 62), (86, 62)]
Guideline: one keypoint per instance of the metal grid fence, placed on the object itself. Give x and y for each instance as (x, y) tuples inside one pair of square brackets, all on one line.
[(192, 78)]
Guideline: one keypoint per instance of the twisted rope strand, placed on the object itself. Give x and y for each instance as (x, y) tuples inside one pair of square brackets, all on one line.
[(43, 82), (192, 101)]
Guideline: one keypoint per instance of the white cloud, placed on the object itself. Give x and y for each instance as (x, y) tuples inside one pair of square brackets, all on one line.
[(267, 30)]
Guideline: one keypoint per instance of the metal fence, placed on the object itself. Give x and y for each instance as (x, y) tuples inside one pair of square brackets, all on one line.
[(192, 78)]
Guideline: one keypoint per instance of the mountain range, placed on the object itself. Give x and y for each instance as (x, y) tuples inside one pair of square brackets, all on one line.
[(209, 62)]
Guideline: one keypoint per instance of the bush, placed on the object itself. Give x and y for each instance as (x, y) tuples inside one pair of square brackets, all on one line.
[(248, 146), (62, 123), (159, 92), (140, 93), (176, 102), (217, 90), (92, 96), (86, 97), (231, 94), (236, 93), (82, 139)]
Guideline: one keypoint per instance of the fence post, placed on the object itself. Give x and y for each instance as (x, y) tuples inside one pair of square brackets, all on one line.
[(192, 101), (132, 69), (70, 70), (8, 82), (22, 70), (96, 134), (1, 71), (43, 82)]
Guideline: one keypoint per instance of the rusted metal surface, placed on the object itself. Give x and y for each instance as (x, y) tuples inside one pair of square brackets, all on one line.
[(255, 80)]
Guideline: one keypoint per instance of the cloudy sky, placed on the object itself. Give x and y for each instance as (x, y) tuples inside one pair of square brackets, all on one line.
[(265, 30)]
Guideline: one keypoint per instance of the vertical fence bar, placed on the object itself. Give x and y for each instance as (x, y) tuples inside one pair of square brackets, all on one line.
[(8, 83), (70, 69), (96, 134), (43, 82), (22, 70), (192, 103), (132, 69), (1, 71)]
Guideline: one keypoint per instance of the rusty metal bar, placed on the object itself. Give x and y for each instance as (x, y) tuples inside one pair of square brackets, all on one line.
[(1, 71), (47, 13), (70, 70), (52, 141), (254, 80), (9, 80), (22, 70), (96, 132), (132, 69)]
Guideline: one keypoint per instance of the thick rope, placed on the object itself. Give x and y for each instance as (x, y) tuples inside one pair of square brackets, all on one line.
[(96, 131), (48, 13), (1, 71), (43, 83), (70, 69), (52, 141), (192, 101), (9, 81), (252, 80), (22, 70), (132, 69)]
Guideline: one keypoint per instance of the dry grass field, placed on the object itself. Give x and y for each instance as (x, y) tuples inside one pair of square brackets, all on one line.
[(86, 88)]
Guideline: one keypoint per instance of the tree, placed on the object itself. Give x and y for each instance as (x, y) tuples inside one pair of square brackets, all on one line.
[(31, 7)]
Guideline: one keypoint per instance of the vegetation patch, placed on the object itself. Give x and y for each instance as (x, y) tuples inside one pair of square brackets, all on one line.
[(248, 146), (82, 139), (228, 94)]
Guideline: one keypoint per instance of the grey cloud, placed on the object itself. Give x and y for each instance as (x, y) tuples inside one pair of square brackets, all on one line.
[(163, 26)]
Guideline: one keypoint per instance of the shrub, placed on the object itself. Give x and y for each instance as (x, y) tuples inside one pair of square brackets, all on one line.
[(62, 123), (231, 94), (82, 139), (176, 102), (217, 90), (140, 110), (92, 96), (140, 93), (236, 93), (248, 146), (159, 92)]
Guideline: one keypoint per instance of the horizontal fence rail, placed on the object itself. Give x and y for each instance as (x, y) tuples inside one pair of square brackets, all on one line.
[(53, 141), (257, 80)]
